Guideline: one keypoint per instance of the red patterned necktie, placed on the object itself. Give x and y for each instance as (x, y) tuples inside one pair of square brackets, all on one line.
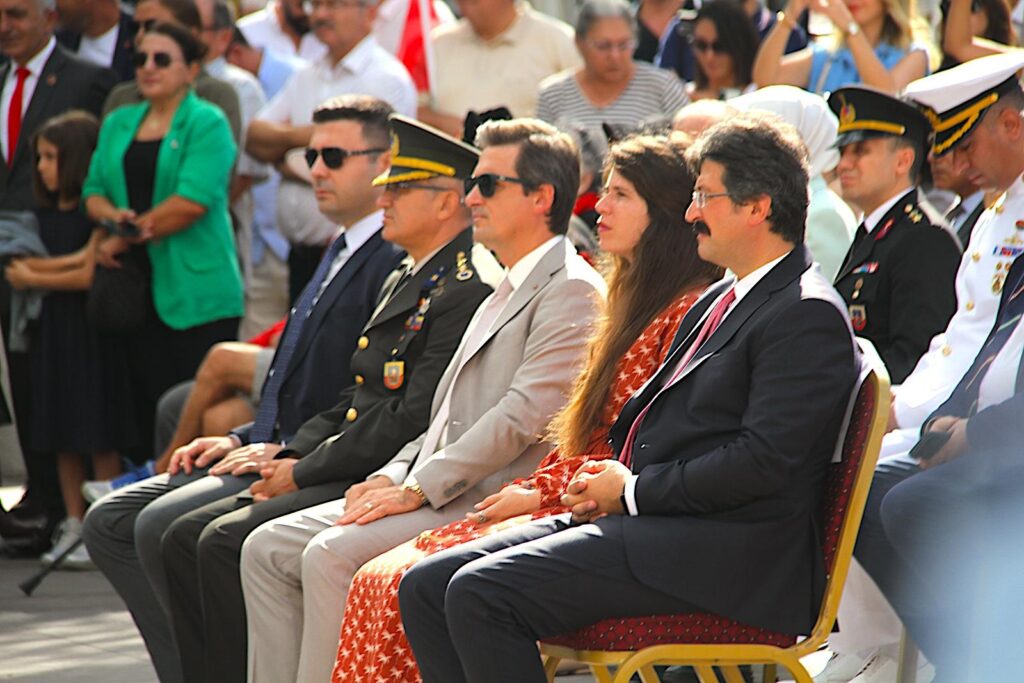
[(14, 115), (711, 324)]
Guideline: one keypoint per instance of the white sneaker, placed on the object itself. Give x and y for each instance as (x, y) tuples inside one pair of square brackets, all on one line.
[(842, 668), (94, 490), (884, 669), (68, 533)]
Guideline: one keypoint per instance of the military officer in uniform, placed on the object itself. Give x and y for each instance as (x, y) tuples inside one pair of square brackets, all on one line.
[(975, 113), (897, 277), (425, 307)]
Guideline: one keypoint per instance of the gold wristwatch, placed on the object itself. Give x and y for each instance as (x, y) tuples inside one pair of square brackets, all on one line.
[(413, 486)]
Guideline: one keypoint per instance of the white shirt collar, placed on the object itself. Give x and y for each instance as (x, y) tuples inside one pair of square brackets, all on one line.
[(36, 64), (970, 202), (518, 273), (872, 220), (357, 234), (747, 282)]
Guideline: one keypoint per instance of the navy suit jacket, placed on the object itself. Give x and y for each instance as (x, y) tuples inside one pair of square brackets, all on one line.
[(731, 460), (124, 48), (320, 367), (999, 426)]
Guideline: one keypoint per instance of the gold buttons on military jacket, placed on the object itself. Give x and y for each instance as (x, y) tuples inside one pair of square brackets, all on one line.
[(359, 379), (975, 257), (946, 350), (969, 305), (363, 342), (351, 415)]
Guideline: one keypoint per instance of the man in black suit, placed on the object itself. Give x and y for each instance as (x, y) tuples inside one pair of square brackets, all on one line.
[(721, 457), (46, 81), (404, 349), (99, 32), (898, 276), (309, 370)]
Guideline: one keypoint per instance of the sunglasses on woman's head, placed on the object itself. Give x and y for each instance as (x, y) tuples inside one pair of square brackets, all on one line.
[(701, 45), (334, 157), (488, 183), (162, 60)]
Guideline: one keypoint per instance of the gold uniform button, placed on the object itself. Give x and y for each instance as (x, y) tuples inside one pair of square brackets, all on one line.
[(969, 306), (351, 415), (359, 379), (363, 342), (946, 350), (975, 257)]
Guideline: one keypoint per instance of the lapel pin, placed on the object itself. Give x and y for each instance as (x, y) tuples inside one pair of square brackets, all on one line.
[(51, 80)]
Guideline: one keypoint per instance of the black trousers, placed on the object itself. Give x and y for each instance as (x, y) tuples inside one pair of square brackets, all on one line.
[(202, 553), (474, 612)]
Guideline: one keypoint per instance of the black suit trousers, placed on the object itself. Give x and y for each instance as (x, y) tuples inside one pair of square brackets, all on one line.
[(474, 612), (202, 553)]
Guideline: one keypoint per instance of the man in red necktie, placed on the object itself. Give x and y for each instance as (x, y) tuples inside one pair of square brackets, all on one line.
[(727, 449)]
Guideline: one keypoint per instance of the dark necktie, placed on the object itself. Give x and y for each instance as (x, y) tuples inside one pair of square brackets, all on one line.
[(266, 417), (858, 239), (711, 324)]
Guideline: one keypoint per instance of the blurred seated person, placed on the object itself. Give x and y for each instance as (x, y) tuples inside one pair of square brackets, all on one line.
[(610, 87), (99, 32), (830, 221), (879, 43), (969, 200), (184, 14), (975, 28), (724, 44), (495, 55), (696, 117), (677, 54), (653, 18)]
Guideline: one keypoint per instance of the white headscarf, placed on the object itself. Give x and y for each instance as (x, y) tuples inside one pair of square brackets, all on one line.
[(807, 112)]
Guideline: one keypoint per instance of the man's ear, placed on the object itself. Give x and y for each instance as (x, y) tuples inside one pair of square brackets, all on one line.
[(1011, 123), (383, 163), (760, 210), (543, 198)]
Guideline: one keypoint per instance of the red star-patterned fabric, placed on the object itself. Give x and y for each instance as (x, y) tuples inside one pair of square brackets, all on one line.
[(372, 644)]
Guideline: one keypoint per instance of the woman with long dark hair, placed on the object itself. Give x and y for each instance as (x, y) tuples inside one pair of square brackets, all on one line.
[(724, 44), (654, 276)]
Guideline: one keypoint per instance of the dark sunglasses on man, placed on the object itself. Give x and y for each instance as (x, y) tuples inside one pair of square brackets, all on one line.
[(488, 183), (334, 157), (162, 60)]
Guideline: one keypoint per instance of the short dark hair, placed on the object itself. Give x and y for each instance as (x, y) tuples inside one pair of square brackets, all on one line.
[(191, 49), (760, 155), (74, 134), (370, 111), (185, 12), (736, 33), (546, 155), (223, 15)]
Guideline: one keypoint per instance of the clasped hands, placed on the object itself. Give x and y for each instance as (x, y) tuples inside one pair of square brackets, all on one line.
[(376, 498), (957, 445), (596, 490), (276, 475)]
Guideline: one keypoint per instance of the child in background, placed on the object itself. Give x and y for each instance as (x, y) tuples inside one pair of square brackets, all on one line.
[(78, 379)]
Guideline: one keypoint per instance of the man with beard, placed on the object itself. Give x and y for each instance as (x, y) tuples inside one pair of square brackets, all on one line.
[(282, 27)]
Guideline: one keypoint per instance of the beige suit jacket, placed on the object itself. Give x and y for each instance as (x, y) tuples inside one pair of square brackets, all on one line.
[(506, 393)]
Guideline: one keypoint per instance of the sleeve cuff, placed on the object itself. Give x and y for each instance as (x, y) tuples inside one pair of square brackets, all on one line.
[(395, 471), (629, 495)]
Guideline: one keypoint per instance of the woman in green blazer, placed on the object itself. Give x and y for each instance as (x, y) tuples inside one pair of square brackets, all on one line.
[(163, 166)]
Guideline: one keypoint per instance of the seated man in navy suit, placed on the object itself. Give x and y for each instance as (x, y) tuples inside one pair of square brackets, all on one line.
[(722, 456), (321, 336)]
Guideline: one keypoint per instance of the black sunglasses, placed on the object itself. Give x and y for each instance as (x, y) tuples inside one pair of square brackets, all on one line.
[(334, 157), (488, 183), (161, 59), (701, 45), (146, 26)]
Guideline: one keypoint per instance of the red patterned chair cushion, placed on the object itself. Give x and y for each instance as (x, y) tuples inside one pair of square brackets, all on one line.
[(701, 628)]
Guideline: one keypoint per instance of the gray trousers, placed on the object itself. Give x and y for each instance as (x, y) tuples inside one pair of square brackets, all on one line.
[(123, 532)]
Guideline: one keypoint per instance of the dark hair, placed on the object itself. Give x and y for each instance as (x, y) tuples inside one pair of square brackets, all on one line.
[(998, 15), (223, 15), (238, 38), (737, 35), (370, 111), (546, 155), (664, 266), (592, 11), (760, 155), (185, 12), (191, 49), (74, 135)]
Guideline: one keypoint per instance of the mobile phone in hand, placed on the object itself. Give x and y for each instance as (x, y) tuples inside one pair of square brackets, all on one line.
[(929, 444), (123, 228)]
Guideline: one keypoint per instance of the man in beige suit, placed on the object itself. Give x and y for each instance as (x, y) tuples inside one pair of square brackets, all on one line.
[(511, 374)]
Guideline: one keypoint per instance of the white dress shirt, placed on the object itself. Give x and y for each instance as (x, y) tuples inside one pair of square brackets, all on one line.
[(263, 31), (99, 50), (355, 237)]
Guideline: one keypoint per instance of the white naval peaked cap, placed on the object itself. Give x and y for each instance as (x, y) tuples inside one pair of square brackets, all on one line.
[(954, 100)]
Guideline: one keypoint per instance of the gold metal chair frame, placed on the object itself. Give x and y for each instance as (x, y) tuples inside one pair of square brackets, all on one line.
[(727, 658)]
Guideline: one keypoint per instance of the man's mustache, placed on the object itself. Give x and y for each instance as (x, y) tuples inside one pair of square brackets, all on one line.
[(701, 228)]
